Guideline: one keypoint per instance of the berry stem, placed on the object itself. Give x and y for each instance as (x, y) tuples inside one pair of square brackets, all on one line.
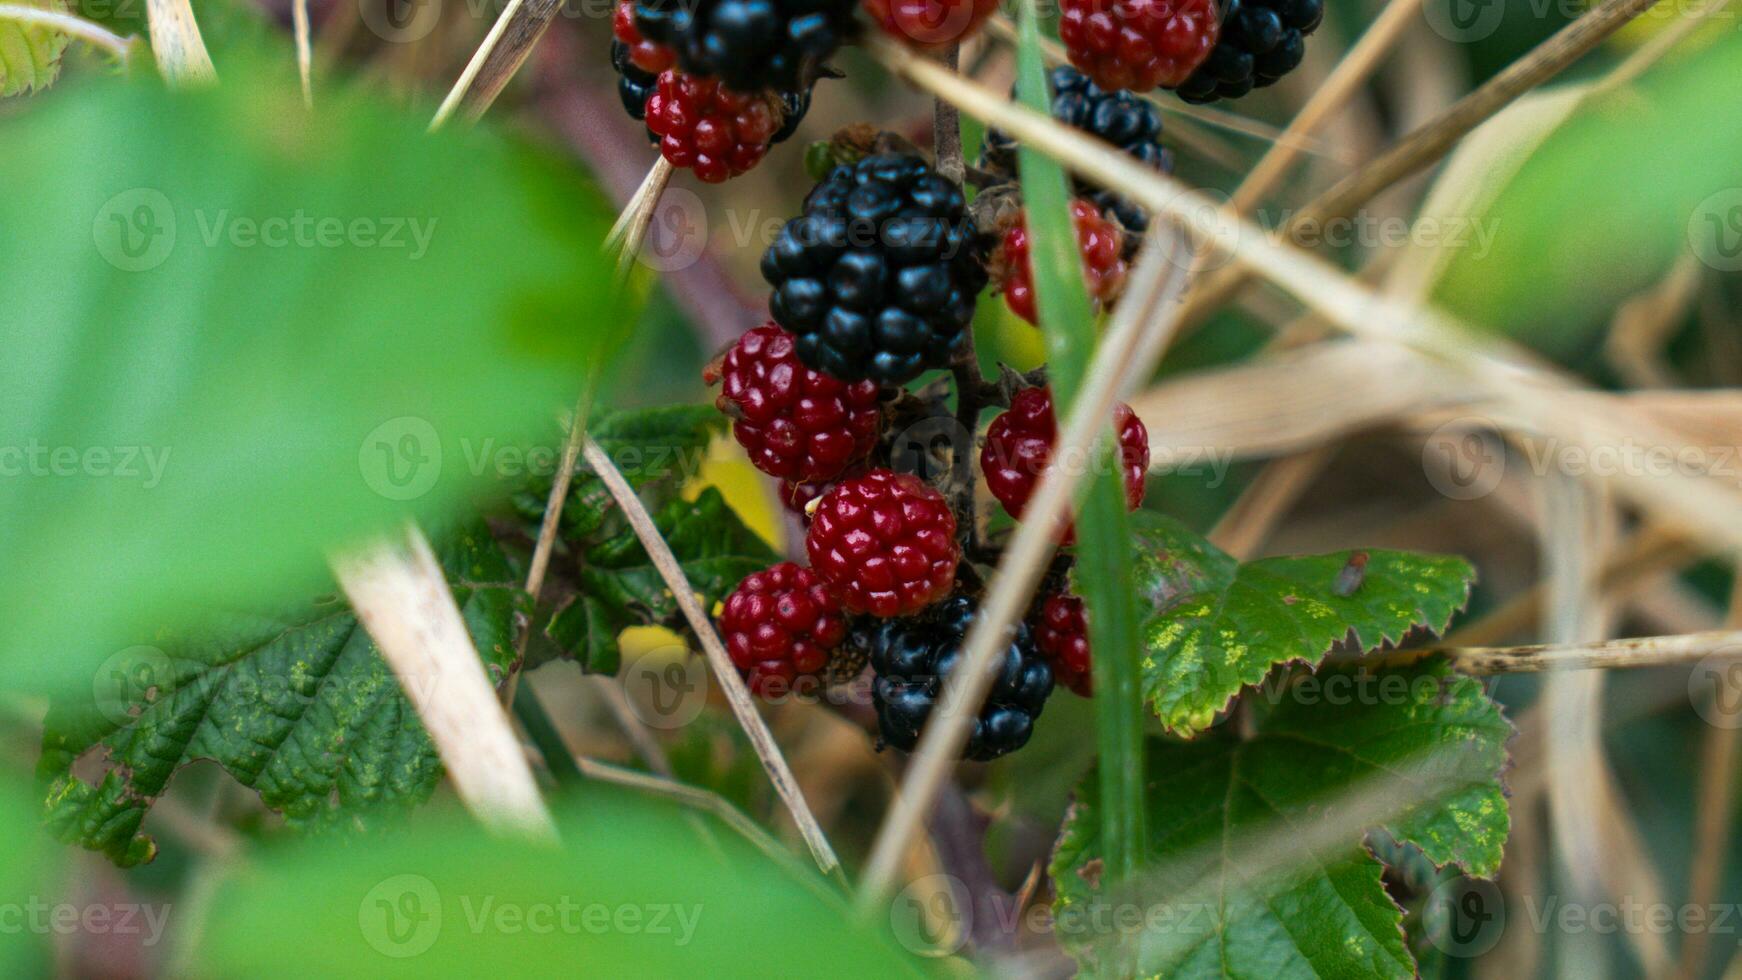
[(947, 129), (970, 385)]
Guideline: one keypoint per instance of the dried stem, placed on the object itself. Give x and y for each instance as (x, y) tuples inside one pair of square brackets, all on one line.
[(1344, 81), (947, 129), (1139, 330), (630, 230), (779, 773), (1714, 804), (1490, 365), (176, 42), (304, 50), (1434, 139), (404, 601), (503, 51)]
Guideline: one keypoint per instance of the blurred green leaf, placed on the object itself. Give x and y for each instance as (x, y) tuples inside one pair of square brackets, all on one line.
[(1631, 180), (1248, 890), (711, 543), (298, 706), (633, 891), (25, 880), (240, 333), (1217, 625)]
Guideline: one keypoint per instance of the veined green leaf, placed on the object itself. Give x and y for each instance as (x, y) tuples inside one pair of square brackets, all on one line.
[(1217, 625), (299, 706), (241, 334), (1257, 845), (30, 54)]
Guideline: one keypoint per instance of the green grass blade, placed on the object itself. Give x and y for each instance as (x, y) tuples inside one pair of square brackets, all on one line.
[(1103, 573)]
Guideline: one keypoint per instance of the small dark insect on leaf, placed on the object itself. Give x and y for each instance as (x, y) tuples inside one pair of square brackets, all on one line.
[(1352, 575)]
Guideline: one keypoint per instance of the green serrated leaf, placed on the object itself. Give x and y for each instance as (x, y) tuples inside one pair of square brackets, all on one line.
[(1217, 625), (30, 54), (714, 547), (586, 631), (298, 706), (1256, 846)]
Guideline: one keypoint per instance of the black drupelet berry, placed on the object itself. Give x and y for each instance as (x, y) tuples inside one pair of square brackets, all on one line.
[(750, 45), (877, 278), (911, 657), (1261, 41), (1122, 118)]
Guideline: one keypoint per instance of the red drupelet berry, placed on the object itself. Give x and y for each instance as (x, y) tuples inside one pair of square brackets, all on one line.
[(886, 542), (643, 54), (705, 128), (1138, 44), (930, 25), (797, 497), (781, 624), (1062, 634), (1102, 245), (1019, 447), (797, 424)]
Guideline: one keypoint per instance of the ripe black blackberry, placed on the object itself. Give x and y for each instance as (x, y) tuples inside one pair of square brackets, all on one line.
[(750, 45), (877, 278), (910, 658), (1127, 121), (1261, 41)]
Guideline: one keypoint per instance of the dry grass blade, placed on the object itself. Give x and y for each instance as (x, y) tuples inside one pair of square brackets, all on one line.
[(1344, 81), (1257, 511), (1717, 796), (737, 695), (1433, 140), (630, 230), (1638, 652), (1140, 328), (503, 51), (405, 603), (176, 43), (1529, 395), (304, 50)]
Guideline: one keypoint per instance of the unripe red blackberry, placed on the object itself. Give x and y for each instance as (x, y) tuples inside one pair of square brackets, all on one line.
[(781, 624), (912, 657), (1061, 631), (930, 25), (797, 424), (706, 128), (886, 542), (1100, 241), (1019, 446), (645, 55), (1138, 44)]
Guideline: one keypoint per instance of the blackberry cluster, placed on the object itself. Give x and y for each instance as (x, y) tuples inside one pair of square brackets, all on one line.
[(877, 278), (1261, 41), (911, 657), (634, 85), (750, 45), (1138, 44), (1131, 123), (1100, 242)]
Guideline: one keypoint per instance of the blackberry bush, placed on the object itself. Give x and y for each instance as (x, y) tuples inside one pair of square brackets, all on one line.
[(878, 277)]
